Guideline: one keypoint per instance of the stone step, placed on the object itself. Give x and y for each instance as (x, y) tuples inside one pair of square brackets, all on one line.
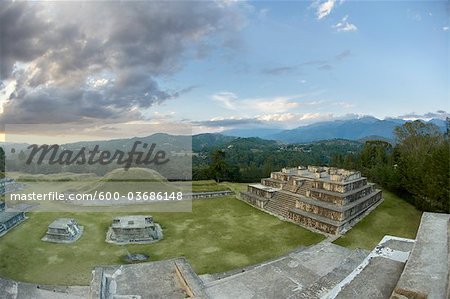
[(327, 282), (282, 277), (281, 203), (376, 276)]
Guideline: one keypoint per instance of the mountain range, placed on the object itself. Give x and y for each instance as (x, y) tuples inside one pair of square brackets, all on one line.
[(352, 129), (362, 129)]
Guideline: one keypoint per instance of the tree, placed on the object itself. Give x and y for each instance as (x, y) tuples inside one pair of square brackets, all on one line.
[(22, 156), (218, 167), (423, 164), (375, 152), (2, 163), (436, 188)]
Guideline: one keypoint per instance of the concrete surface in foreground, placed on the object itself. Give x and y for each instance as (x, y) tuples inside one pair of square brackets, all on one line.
[(426, 274)]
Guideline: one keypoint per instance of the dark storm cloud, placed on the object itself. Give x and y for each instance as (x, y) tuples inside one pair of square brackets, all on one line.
[(19, 28), (100, 60), (55, 105)]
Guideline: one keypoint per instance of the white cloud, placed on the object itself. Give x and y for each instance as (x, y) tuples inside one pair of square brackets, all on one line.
[(276, 120), (227, 99), (324, 9), (296, 118), (440, 114), (278, 104), (280, 111), (445, 28), (278, 117), (413, 15), (344, 104), (99, 82), (286, 120), (344, 25)]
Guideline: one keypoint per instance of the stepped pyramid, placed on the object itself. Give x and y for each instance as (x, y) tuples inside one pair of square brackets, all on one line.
[(322, 198)]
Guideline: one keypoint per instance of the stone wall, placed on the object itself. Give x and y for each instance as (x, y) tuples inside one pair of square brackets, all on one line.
[(339, 199), (272, 183), (133, 233), (337, 215), (280, 176), (254, 200), (331, 214), (260, 192), (309, 222), (339, 187), (357, 195), (363, 206), (325, 197)]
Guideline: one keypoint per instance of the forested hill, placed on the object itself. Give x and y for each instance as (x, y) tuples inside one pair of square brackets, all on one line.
[(250, 159)]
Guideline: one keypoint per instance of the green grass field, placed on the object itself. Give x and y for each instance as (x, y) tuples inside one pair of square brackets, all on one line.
[(219, 235), (393, 216)]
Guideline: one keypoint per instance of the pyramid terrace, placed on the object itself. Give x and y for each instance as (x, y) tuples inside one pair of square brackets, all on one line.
[(326, 199)]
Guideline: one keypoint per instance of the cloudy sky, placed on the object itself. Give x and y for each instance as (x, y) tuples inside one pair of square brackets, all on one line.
[(216, 65)]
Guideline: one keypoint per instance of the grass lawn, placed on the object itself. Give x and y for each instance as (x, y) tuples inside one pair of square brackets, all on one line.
[(393, 217), (218, 235), (206, 186)]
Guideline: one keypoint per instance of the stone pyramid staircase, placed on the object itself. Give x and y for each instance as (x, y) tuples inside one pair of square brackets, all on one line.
[(303, 188), (290, 186), (280, 204)]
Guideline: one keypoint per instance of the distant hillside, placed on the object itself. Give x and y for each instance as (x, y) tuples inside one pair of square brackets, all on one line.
[(255, 132), (203, 141), (253, 143), (353, 129), (172, 142), (166, 141)]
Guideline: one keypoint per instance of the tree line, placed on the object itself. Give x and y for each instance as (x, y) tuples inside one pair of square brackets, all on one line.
[(417, 167), (251, 159)]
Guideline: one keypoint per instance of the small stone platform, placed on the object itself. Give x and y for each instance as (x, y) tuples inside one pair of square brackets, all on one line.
[(63, 230), (163, 279), (135, 229)]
